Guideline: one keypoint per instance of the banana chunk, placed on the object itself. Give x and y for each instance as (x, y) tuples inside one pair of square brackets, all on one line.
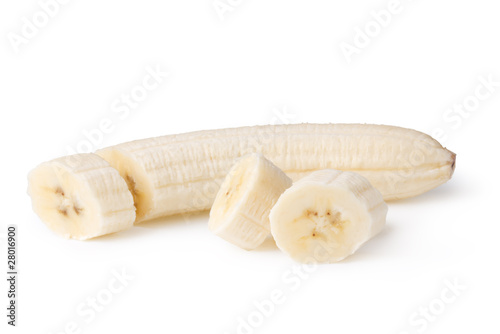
[(81, 196), (327, 216), (240, 213), (182, 173)]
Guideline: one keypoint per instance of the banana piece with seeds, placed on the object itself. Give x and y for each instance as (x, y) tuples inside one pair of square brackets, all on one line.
[(81, 196), (327, 216)]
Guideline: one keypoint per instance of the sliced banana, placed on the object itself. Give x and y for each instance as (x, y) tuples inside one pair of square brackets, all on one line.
[(327, 216), (81, 196), (240, 213), (182, 173)]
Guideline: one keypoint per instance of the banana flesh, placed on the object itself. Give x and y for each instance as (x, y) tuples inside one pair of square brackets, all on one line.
[(175, 174), (81, 197), (327, 216), (182, 173), (240, 213)]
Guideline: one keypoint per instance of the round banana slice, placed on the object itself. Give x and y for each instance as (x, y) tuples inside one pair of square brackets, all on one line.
[(81, 196), (327, 216), (240, 213)]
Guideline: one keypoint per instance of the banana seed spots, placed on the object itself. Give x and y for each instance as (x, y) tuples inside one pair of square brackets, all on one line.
[(77, 210), (62, 209), (323, 221), (132, 188), (232, 191), (229, 194), (66, 203)]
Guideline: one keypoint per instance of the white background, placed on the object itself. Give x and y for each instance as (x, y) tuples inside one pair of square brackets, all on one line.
[(265, 58)]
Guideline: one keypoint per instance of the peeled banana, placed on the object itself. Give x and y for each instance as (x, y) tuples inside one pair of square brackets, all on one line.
[(81, 196), (240, 213), (327, 216), (182, 173)]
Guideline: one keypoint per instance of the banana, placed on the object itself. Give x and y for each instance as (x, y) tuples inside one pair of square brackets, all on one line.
[(240, 213), (176, 174), (81, 196), (327, 216)]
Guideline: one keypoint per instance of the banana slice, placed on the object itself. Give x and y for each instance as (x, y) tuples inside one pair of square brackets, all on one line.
[(81, 197), (327, 216), (240, 213)]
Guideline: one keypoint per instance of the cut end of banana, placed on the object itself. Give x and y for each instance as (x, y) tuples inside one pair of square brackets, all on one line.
[(240, 213), (134, 174), (327, 216), (81, 197)]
